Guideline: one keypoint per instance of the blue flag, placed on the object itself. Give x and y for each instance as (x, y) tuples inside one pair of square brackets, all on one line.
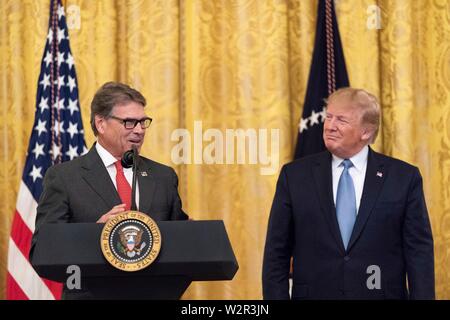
[(327, 74)]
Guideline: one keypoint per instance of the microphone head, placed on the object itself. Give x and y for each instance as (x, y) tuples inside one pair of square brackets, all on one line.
[(127, 159)]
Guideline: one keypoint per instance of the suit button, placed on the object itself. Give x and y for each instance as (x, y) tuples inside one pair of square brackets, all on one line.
[(346, 258)]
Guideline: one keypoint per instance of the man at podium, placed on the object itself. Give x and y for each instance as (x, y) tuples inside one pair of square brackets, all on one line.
[(96, 186)]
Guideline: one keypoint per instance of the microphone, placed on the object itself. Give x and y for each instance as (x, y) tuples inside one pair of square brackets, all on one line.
[(130, 159), (133, 187), (127, 159)]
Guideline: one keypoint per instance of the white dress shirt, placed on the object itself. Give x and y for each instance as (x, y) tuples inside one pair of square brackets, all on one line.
[(109, 160), (357, 172)]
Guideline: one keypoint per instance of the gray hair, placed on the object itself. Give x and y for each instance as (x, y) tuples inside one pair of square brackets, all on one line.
[(110, 95)]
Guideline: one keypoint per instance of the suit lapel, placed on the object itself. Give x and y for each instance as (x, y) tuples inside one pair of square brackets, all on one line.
[(375, 175), (147, 186), (323, 178), (97, 177)]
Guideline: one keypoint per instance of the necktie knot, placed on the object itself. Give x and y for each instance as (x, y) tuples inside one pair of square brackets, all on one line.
[(347, 163), (118, 165)]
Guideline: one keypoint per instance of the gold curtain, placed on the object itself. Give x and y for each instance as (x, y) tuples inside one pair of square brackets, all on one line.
[(233, 64)]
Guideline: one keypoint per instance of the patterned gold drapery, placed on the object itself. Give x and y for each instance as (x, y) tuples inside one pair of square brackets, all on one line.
[(233, 64)]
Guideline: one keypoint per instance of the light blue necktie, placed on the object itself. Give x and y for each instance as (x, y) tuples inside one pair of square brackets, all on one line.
[(346, 203)]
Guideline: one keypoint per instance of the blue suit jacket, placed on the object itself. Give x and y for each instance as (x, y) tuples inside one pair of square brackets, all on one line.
[(392, 231)]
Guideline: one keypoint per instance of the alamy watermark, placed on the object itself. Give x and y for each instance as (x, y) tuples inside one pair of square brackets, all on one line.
[(374, 280), (73, 17), (231, 146), (373, 17), (74, 279)]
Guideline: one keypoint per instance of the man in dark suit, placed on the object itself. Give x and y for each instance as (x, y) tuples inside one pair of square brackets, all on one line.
[(96, 187), (354, 221)]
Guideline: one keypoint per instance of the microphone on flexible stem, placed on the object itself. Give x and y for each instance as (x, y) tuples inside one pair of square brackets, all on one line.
[(130, 159)]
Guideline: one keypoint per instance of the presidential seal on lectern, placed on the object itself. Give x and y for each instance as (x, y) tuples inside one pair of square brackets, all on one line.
[(130, 241)]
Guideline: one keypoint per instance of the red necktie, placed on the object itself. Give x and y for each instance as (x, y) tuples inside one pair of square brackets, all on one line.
[(123, 187)]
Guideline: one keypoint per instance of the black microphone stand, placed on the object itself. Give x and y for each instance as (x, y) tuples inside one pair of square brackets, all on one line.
[(133, 185), (130, 159)]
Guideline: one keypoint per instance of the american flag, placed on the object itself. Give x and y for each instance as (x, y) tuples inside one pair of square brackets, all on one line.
[(57, 136)]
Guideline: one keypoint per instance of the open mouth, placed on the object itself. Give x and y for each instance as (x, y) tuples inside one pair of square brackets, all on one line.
[(135, 141)]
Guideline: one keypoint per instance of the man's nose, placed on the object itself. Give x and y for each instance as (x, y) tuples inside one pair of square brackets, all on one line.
[(138, 129), (330, 124)]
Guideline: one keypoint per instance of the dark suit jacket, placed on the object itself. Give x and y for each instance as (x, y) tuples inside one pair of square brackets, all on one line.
[(81, 190), (392, 231)]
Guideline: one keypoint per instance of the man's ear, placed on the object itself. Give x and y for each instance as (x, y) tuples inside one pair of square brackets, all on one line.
[(367, 133), (100, 123)]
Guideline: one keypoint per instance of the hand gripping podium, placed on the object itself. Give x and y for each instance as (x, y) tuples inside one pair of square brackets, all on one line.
[(190, 251)]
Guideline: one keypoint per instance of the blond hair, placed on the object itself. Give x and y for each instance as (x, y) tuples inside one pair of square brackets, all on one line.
[(364, 101)]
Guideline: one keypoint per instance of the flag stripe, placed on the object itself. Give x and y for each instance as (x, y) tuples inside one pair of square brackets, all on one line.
[(26, 206), (55, 288), (14, 289), (21, 235), (23, 273)]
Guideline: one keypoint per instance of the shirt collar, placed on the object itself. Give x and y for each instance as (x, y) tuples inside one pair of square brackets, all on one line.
[(107, 158), (359, 160)]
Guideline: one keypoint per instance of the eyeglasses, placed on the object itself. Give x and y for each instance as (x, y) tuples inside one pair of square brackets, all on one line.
[(132, 123)]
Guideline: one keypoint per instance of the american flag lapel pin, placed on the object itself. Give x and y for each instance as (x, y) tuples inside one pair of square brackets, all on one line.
[(379, 174)]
